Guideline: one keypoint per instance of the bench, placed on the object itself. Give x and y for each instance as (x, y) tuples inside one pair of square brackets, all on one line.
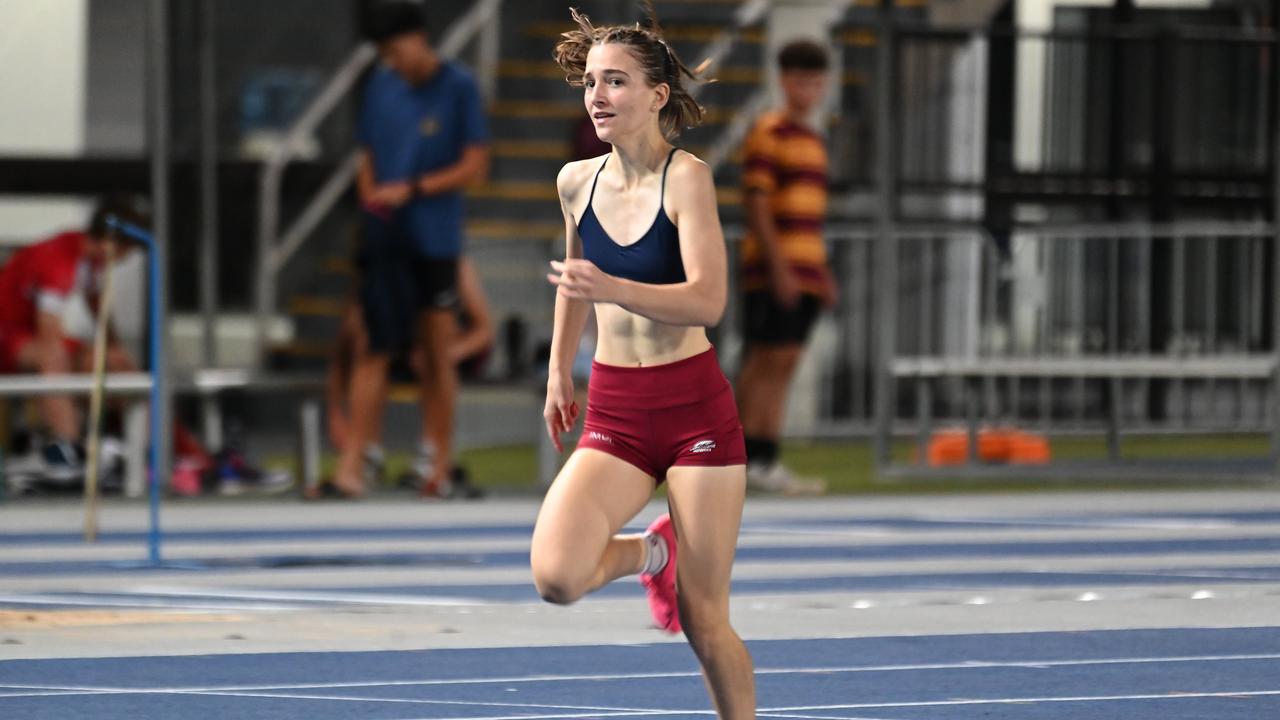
[(972, 371), (136, 386)]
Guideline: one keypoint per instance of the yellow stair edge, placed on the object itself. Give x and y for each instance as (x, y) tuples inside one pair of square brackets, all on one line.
[(531, 149), (516, 190), (551, 30), (318, 306), (302, 348), (526, 109)]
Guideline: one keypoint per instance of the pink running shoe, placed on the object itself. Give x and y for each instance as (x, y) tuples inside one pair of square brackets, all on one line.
[(661, 586)]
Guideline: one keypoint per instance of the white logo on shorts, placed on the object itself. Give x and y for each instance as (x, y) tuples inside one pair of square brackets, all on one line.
[(703, 446), (600, 437)]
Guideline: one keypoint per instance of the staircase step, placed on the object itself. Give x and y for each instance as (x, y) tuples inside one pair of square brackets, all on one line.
[(531, 109), (689, 38), (513, 221), (672, 32), (528, 69), (513, 229), (751, 75), (530, 149), (564, 110), (338, 265), (300, 354), (542, 191), (316, 306), (545, 191)]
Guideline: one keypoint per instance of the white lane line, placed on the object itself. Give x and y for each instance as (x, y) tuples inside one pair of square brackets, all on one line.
[(816, 532), (1022, 700), (50, 693), (1118, 522), (654, 714), (1263, 574), (416, 701), (945, 524), (92, 600), (594, 710), (346, 598), (345, 698), (972, 665), (817, 717), (576, 715)]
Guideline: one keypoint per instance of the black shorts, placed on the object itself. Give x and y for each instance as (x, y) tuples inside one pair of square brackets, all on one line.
[(397, 284), (766, 322)]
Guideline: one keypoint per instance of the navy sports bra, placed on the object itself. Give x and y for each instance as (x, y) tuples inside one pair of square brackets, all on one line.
[(653, 259)]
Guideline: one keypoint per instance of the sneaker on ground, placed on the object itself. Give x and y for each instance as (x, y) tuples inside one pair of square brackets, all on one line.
[(660, 587), (188, 474), (23, 473), (418, 474), (436, 489), (462, 486), (776, 478), (373, 468), (236, 475), (63, 463), (422, 475), (111, 459)]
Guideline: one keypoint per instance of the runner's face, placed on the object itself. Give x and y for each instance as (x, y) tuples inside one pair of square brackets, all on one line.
[(617, 95)]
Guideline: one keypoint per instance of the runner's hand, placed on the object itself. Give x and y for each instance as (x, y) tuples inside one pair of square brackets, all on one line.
[(579, 279), (560, 412)]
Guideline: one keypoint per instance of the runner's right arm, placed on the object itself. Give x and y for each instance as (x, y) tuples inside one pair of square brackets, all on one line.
[(561, 411)]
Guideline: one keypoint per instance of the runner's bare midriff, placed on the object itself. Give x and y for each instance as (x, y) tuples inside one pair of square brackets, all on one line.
[(630, 340)]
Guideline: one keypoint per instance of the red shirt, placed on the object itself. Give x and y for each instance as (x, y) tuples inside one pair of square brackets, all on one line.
[(41, 277)]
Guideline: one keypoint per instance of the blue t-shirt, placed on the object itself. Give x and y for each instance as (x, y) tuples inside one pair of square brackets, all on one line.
[(413, 130)]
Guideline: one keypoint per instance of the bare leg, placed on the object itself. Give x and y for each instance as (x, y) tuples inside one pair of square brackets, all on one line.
[(368, 389), (439, 386), (706, 506), (575, 546), (118, 360), (360, 336), (338, 376), (48, 356), (762, 390)]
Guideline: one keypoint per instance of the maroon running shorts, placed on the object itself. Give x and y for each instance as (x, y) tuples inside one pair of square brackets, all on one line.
[(681, 413)]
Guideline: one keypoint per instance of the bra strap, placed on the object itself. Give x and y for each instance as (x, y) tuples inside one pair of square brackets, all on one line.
[(670, 155), (662, 191), (597, 179)]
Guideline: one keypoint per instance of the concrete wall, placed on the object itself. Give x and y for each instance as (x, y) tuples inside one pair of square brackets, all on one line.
[(115, 107), (42, 83)]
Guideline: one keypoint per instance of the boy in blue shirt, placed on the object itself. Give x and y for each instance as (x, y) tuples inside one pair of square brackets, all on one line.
[(424, 138)]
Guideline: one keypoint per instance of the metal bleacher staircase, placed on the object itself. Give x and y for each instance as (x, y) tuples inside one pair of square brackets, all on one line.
[(514, 219)]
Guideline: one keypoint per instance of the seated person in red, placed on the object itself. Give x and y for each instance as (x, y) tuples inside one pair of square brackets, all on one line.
[(37, 285)]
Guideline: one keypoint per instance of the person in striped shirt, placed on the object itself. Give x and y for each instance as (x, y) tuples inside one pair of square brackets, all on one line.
[(784, 270)]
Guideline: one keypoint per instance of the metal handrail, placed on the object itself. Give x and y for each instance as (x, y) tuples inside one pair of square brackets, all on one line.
[(271, 176), (201, 381), (749, 13), (736, 131), (467, 27), (274, 252)]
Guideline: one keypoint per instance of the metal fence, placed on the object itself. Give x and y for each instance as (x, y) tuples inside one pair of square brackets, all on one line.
[(1106, 329)]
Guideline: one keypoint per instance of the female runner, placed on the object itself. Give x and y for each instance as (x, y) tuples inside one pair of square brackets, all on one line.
[(644, 244)]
